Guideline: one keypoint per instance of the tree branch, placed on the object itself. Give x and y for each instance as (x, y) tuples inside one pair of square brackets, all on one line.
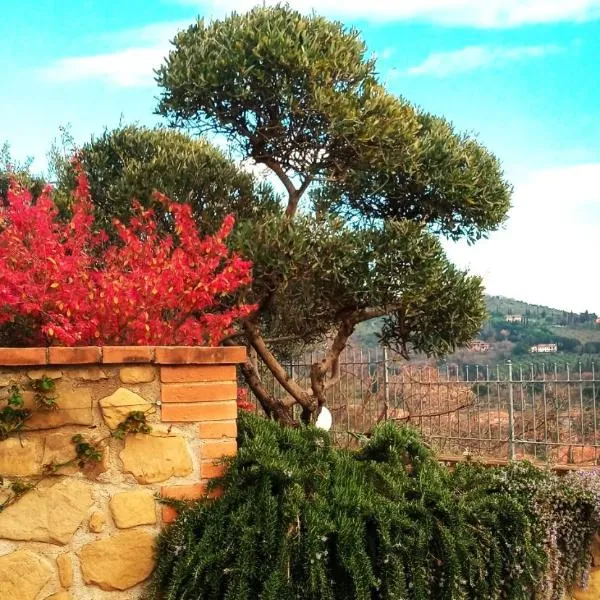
[(281, 174), (286, 382), (330, 363), (270, 404)]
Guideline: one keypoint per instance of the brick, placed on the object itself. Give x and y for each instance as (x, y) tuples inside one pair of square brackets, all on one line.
[(198, 392), (23, 356), (185, 373), (127, 354), (180, 492), (210, 469), (79, 355), (199, 411), (187, 355), (217, 429), (218, 449)]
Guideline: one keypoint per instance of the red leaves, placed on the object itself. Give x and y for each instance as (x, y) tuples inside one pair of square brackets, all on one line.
[(242, 400), (75, 288)]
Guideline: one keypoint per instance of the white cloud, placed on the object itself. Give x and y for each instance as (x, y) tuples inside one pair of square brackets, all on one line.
[(476, 13), (128, 68), (442, 64), (132, 66), (547, 254)]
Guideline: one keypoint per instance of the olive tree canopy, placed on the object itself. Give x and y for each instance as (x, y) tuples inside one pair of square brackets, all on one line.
[(371, 184)]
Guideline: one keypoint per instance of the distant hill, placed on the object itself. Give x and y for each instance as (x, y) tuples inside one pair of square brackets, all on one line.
[(577, 335), (501, 306)]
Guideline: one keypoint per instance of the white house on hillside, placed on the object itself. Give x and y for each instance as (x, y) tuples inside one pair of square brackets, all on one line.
[(513, 318), (544, 348)]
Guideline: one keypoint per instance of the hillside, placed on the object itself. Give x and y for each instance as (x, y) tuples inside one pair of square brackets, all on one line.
[(577, 335)]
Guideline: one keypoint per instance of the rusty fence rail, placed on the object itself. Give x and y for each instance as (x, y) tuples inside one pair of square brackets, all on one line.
[(546, 412)]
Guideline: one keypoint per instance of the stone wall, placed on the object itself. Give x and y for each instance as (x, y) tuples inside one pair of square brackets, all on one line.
[(86, 532)]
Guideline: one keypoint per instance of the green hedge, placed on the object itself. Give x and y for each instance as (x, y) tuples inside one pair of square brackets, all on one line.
[(301, 519)]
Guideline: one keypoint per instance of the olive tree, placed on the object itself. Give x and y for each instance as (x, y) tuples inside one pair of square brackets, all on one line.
[(134, 161), (371, 185)]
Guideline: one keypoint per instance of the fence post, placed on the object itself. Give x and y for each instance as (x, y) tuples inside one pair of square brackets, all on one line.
[(386, 379), (511, 414)]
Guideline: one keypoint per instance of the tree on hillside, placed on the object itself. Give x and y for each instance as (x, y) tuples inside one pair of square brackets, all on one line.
[(370, 182)]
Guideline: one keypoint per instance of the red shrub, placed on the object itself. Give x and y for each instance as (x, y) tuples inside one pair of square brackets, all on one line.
[(75, 287)]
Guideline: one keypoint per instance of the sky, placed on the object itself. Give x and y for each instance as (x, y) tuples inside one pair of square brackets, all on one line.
[(523, 75)]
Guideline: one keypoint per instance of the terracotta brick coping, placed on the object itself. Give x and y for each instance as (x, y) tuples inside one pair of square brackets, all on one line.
[(160, 355)]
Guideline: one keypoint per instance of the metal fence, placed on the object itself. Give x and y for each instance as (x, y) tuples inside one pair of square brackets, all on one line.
[(544, 412)]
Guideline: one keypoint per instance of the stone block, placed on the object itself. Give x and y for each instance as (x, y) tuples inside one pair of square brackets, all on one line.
[(64, 564), (137, 374), (90, 373), (74, 407), (118, 405), (51, 512), (21, 457), (49, 373), (97, 522), (23, 574), (130, 509), (156, 457), (119, 562)]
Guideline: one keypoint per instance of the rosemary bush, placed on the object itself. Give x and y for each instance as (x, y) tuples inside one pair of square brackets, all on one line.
[(301, 519)]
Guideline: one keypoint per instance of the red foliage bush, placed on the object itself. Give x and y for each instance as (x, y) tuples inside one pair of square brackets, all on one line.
[(72, 286)]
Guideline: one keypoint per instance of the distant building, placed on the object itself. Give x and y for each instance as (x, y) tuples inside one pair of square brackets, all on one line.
[(478, 346), (513, 318), (544, 348)]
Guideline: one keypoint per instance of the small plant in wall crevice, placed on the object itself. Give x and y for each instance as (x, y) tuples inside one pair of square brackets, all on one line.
[(13, 416), (44, 389)]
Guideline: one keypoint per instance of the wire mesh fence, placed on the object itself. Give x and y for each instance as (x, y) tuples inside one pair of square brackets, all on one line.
[(545, 412)]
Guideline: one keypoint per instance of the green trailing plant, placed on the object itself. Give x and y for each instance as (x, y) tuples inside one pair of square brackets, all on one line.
[(86, 452), (13, 415), (134, 422), (44, 389), (299, 518)]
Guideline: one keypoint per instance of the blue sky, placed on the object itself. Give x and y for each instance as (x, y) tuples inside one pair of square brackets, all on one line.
[(522, 74)]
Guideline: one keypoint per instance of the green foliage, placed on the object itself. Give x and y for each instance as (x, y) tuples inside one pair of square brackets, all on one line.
[(298, 94), (132, 162), (279, 84), (449, 181), (324, 267), (134, 422), (44, 388), (299, 518), (13, 416), (86, 452), (11, 168)]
